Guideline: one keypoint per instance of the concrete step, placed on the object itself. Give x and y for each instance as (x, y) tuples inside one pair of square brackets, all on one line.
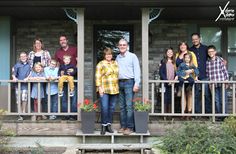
[(135, 146)]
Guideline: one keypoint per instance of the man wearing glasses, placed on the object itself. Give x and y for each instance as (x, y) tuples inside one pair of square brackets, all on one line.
[(129, 80)]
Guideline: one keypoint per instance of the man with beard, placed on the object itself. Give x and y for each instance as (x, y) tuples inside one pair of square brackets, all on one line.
[(200, 51), (65, 49)]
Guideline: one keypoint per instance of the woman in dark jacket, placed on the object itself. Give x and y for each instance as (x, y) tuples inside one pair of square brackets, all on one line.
[(167, 72)]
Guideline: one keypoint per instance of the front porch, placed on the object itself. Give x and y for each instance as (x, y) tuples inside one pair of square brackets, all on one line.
[(25, 20)]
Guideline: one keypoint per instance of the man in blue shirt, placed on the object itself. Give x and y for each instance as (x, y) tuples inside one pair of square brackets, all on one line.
[(200, 51), (129, 80)]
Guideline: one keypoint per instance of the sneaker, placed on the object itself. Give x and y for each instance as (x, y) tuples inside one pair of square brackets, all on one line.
[(71, 94), (60, 94), (44, 117), (72, 118), (52, 117), (20, 118), (121, 130), (38, 117), (127, 131), (33, 118)]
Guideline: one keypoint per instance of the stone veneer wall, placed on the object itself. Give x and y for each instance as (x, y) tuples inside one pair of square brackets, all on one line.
[(163, 35)]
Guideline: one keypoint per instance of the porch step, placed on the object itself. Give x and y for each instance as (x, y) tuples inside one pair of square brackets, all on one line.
[(97, 133), (117, 146), (113, 141)]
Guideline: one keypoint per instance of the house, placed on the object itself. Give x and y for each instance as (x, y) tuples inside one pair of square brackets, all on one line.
[(150, 27)]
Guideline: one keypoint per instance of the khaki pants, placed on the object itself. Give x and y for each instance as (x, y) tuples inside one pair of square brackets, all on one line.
[(64, 78)]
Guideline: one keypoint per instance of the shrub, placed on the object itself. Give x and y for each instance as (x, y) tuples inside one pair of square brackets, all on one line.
[(229, 125), (4, 134), (194, 138)]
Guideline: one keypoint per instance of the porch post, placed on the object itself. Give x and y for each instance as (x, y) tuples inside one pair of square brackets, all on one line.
[(80, 58), (145, 70)]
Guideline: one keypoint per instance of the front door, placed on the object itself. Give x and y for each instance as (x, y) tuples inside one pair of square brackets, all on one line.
[(108, 36)]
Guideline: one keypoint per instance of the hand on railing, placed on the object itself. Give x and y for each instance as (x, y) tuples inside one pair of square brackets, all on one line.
[(15, 79)]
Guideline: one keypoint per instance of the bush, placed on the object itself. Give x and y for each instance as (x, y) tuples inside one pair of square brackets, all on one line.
[(229, 125), (194, 138), (4, 134)]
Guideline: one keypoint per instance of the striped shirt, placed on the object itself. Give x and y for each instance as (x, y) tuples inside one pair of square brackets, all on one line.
[(216, 70), (107, 76)]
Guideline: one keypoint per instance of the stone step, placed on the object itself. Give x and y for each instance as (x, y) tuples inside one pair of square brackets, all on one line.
[(136, 146), (97, 133)]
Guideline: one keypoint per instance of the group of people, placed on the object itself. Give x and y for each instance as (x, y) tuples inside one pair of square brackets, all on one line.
[(38, 66), (118, 79), (200, 62), (113, 77)]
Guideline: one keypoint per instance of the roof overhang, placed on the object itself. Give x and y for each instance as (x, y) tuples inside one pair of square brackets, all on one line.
[(139, 3)]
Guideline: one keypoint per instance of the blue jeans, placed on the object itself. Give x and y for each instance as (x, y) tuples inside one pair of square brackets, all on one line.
[(126, 104), (108, 103), (54, 103), (198, 101), (73, 100), (218, 100)]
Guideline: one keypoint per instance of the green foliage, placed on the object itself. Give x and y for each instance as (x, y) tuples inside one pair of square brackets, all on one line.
[(38, 150), (88, 106), (4, 134), (194, 138), (141, 105), (229, 125)]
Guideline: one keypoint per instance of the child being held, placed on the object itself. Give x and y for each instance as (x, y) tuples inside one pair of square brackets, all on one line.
[(187, 71), (67, 71)]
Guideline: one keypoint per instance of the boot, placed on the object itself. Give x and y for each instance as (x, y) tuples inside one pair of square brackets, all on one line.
[(103, 130), (109, 129)]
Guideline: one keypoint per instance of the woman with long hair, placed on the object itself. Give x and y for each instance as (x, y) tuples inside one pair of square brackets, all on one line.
[(184, 50)]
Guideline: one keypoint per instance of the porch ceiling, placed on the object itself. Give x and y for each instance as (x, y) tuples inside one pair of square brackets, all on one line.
[(112, 13), (141, 3)]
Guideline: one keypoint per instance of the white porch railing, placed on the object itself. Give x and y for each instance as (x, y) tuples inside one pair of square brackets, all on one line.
[(13, 108), (155, 94), (157, 98)]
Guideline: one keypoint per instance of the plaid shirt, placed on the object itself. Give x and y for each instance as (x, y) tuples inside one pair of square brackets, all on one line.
[(45, 58), (216, 70), (107, 76)]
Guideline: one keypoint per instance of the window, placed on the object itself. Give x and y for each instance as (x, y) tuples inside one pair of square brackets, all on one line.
[(232, 49), (211, 36), (232, 40), (108, 36)]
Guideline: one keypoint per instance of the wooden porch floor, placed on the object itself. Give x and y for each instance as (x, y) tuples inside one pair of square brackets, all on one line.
[(157, 127)]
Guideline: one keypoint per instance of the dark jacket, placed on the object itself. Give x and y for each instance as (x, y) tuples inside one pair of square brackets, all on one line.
[(64, 68)]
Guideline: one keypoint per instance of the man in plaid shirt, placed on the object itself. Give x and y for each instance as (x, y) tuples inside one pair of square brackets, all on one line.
[(216, 71)]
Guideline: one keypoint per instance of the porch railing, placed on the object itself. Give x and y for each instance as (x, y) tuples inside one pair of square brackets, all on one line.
[(13, 108), (157, 93)]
